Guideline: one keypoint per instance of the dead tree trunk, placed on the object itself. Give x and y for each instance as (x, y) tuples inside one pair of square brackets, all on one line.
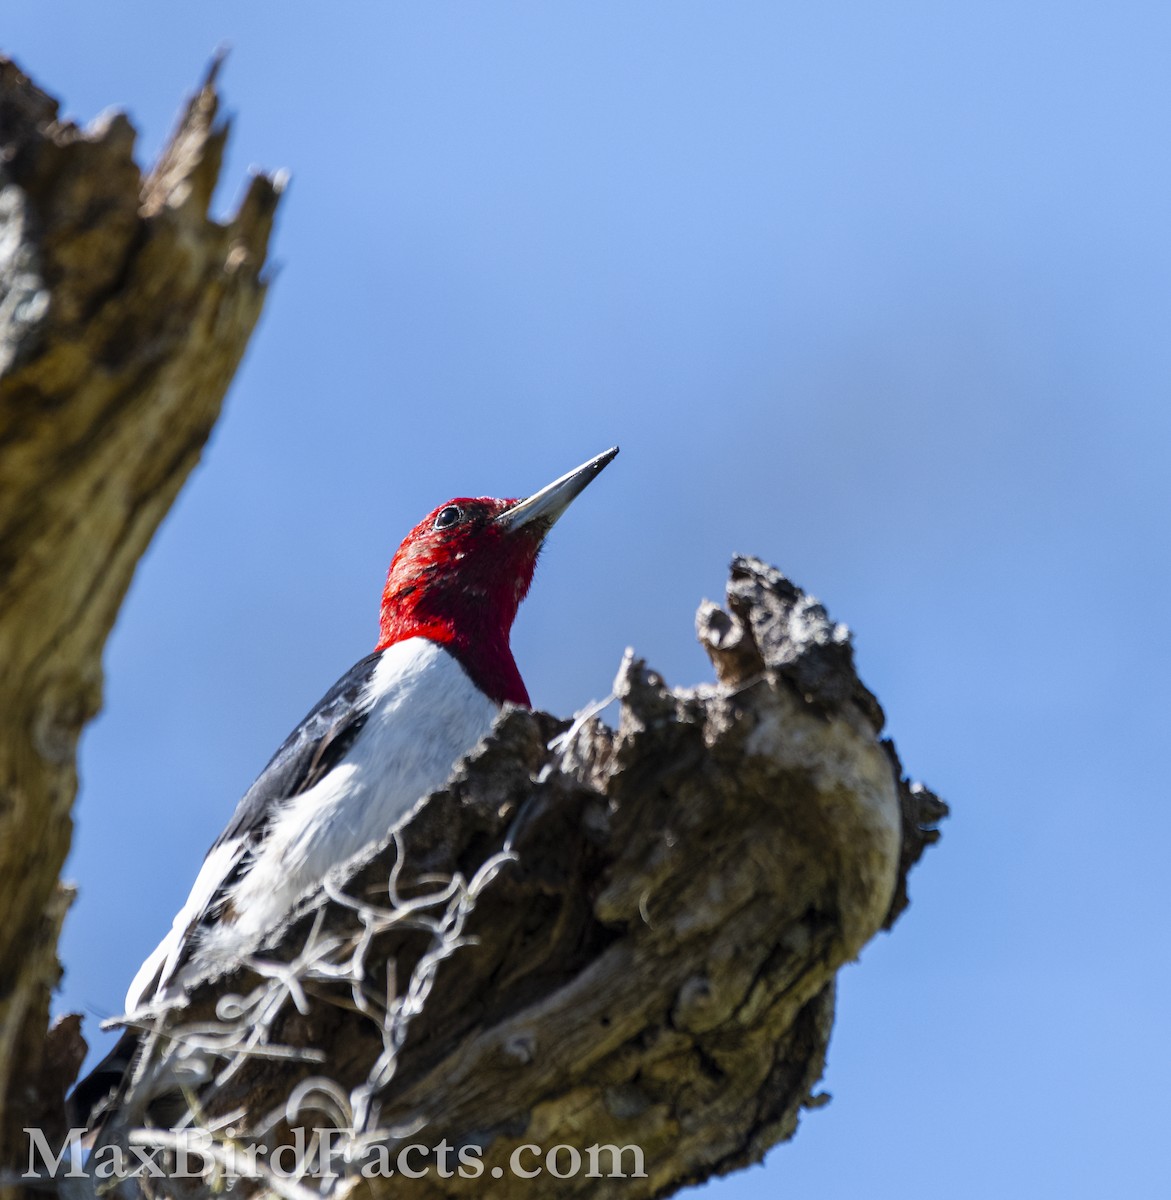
[(124, 310), (593, 936)]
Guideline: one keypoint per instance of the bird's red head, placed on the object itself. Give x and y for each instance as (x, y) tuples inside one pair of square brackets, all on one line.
[(459, 577)]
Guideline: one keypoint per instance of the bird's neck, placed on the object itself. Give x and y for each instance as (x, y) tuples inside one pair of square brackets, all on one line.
[(482, 649)]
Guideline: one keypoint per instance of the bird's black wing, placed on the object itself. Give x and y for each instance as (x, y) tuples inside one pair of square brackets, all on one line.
[(309, 753), (306, 755)]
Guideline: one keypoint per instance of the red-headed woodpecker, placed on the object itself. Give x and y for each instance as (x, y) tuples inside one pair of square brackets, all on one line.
[(384, 736)]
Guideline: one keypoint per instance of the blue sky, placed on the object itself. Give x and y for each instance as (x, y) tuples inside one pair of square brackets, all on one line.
[(878, 293)]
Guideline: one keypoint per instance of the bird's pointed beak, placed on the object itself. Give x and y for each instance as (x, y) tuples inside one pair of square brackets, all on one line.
[(542, 508)]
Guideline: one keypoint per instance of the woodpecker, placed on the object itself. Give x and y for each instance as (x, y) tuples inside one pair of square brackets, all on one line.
[(377, 743)]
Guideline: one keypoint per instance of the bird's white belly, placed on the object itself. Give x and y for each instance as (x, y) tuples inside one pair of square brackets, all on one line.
[(425, 714)]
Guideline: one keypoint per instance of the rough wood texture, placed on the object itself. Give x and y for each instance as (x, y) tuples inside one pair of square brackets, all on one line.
[(655, 962), (643, 947), (124, 310)]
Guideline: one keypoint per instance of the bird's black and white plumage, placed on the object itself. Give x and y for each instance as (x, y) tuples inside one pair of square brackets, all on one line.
[(383, 737)]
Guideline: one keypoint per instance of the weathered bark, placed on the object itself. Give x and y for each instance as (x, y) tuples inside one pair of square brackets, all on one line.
[(653, 962), (124, 310), (643, 924)]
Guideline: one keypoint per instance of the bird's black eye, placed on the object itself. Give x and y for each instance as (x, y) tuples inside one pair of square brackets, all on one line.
[(445, 518)]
